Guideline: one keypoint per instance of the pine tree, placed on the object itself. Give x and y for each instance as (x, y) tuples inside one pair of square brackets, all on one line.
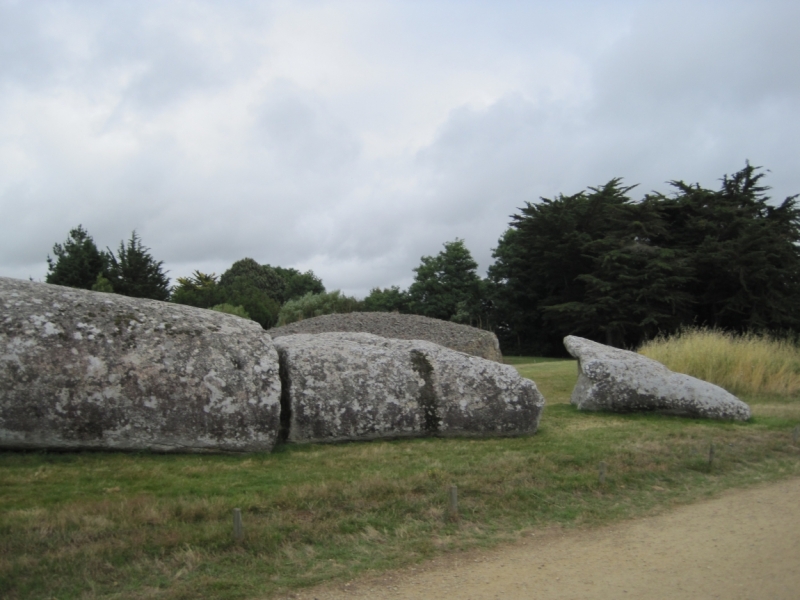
[(134, 272), (587, 264), (600, 265), (78, 262), (744, 251)]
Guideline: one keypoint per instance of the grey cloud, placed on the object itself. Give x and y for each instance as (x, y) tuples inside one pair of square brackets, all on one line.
[(701, 56), (282, 174), (298, 132), (160, 52)]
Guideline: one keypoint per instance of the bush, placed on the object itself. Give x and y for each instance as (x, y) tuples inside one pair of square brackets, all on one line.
[(314, 305), (102, 285), (391, 299), (749, 363), (230, 309), (200, 290)]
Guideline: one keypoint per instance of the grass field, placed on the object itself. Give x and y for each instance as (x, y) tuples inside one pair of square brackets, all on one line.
[(114, 525)]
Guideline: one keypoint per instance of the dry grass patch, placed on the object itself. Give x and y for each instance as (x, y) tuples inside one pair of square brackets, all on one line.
[(742, 364)]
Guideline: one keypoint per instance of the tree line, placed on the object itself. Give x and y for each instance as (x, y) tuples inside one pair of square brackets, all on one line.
[(597, 263), (246, 289)]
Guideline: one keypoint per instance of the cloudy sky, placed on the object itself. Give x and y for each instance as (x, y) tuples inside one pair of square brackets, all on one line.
[(352, 138)]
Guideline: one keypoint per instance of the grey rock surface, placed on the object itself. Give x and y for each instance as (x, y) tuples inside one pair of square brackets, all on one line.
[(455, 336), (622, 381), (352, 386), (82, 369)]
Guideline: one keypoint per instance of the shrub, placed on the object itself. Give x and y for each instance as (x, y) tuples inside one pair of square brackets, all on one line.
[(748, 363), (314, 305), (102, 285), (200, 290), (230, 309)]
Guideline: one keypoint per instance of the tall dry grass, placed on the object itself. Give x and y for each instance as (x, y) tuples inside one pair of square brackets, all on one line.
[(749, 363)]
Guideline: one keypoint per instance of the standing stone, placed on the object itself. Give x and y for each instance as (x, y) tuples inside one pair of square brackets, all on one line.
[(82, 369), (355, 386), (621, 381)]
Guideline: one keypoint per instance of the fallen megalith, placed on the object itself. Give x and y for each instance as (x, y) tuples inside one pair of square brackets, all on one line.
[(354, 386), (89, 370), (455, 336), (622, 381)]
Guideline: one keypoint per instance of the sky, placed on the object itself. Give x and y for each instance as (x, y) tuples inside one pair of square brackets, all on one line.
[(354, 137)]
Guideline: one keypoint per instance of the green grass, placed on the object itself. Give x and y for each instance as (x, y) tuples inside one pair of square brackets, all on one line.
[(114, 525), (527, 360)]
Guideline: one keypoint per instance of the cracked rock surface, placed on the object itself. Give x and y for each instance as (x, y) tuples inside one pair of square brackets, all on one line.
[(350, 386), (455, 336), (622, 381), (81, 369)]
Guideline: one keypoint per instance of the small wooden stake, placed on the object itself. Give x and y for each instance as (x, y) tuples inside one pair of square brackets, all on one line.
[(453, 505), (602, 472), (711, 454), (238, 532)]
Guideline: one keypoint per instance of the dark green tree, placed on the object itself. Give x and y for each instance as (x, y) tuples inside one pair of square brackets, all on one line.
[(200, 290), (259, 289), (297, 284), (262, 277), (447, 285), (600, 265), (134, 272), (745, 251), (77, 262), (587, 264), (391, 299)]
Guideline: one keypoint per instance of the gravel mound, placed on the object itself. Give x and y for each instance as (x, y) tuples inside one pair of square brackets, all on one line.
[(463, 338)]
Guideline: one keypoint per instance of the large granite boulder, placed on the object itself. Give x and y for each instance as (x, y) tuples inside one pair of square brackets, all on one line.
[(621, 381), (355, 386), (82, 369), (455, 336)]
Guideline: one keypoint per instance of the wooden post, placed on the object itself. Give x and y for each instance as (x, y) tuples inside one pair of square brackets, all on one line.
[(602, 472), (238, 533), (453, 504)]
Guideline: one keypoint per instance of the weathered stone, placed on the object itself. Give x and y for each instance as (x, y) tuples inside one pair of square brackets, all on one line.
[(621, 381), (350, 386), (82, 369), (455, 336)]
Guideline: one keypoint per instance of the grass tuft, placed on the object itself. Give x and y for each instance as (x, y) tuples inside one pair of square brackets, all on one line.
[(742, 364)]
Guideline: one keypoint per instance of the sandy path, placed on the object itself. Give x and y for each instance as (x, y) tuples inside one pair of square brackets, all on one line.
[(745, 544)]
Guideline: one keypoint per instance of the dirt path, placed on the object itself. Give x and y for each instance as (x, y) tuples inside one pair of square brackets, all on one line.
[(745, 544)]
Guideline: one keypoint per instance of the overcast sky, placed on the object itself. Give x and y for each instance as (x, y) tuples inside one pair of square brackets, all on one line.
[(352, 138)]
